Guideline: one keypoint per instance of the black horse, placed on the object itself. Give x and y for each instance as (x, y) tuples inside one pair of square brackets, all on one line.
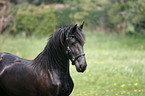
[(48, 74)]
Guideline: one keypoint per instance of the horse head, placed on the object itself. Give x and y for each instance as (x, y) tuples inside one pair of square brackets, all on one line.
[(75, 41)]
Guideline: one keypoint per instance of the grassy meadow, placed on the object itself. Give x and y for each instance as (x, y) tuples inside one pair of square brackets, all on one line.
[(116, 64)]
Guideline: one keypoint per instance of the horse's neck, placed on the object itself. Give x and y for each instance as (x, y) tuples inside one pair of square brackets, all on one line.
[(59, 68), (53, 60), (58, 72), (53, 63)]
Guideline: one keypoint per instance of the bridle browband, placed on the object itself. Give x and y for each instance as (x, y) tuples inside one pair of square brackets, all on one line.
[(69, 51)]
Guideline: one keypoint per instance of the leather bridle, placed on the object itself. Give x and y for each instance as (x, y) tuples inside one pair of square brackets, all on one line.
[(69, 51)]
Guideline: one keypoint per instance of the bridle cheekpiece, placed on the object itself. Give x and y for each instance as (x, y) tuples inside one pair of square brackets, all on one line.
[(69, 51)]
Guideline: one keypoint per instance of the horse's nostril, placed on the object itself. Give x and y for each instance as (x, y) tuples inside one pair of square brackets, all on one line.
[(82, 66)]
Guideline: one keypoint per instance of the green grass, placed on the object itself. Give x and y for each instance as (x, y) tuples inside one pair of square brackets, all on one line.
[(116, 64)]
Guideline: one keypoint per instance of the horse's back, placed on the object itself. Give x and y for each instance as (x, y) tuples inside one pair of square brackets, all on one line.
[(6, 59), (15, 76)]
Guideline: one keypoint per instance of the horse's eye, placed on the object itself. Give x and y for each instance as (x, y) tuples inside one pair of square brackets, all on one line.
[(73, 43)]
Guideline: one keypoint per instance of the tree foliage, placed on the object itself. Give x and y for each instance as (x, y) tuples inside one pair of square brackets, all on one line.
[(35, 2), (119, 16), (35, 20)]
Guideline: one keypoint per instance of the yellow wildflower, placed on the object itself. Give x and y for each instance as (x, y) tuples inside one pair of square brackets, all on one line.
[(135, 84), (90, 74), (78, 94), (91, 92), (87, 70), (114, 84), (129, 84), (122, 85), (84, 91), (93, 89), (122, 92), (135, 90), (107, 90), (142, 46)]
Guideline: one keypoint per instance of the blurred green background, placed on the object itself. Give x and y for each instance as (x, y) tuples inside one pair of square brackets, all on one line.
[(115, 39), (40, 17)]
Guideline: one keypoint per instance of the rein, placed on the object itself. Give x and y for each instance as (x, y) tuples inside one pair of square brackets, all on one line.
[(69, 51)]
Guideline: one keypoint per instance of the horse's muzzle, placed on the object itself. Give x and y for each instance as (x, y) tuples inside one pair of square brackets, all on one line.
[(81, 67)]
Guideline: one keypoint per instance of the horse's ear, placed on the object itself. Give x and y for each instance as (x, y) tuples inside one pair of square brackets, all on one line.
[(74, 28), (81, 26)]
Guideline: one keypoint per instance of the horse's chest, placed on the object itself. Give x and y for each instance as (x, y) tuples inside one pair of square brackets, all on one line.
[(61, 87)]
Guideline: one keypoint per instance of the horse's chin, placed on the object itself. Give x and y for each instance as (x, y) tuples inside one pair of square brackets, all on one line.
[(80, 70)]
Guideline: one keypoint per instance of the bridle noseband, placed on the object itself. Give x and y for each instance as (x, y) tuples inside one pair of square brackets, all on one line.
[(69, 51)]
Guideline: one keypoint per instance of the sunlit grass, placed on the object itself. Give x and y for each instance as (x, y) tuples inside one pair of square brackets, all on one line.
[(116, 64)]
